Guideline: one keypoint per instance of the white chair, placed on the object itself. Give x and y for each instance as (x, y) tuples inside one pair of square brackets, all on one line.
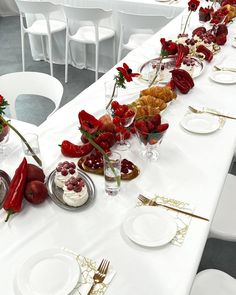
[(138, 28), (224, 222), (14, 84), (92, 34), (41, 27), (213, 282)]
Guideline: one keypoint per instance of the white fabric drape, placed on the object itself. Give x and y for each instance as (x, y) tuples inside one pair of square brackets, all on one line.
[(8, 8)]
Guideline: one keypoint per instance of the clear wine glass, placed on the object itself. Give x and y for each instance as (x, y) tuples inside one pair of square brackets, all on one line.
[(126, 121)]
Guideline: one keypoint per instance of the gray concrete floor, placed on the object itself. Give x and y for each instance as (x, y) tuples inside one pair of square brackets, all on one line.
[(217, 254)]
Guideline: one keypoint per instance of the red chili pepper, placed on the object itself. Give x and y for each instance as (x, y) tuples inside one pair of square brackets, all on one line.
[(182, 52), (15, 194), (69, 149)]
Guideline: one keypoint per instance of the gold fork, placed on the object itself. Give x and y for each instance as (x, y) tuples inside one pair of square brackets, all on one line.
[(100, 274), (224, 69), (149, 202), (210, 112)]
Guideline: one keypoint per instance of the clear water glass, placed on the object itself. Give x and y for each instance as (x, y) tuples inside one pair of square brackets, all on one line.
[(112, 173), (32, 139)]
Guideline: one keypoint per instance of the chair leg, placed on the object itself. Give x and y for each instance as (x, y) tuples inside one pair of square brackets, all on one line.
[(66, 60), (119, 52), (96, 61), (85, 56), (43, 47), (23, 50), (114, 51), (50, 54)]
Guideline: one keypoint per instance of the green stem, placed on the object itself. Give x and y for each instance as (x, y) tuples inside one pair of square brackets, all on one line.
[(9, 213), (112, 96), (156, 73), (90, 139), (36, 158), (185, 26)]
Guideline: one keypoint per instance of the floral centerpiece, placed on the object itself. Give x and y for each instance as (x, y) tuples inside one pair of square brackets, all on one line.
[(5, 126)]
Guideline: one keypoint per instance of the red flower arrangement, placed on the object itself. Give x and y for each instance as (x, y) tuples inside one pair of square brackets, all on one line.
[(125, 74), (193, 5)]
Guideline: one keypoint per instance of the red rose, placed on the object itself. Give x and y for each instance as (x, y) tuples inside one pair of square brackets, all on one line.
[(193, 5)]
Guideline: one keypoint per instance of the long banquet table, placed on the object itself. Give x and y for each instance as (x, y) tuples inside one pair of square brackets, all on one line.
[(191, 168), (76, 58)]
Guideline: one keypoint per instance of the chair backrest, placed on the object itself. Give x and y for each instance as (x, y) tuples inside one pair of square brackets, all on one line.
[(31, 83), (141, 21), (37, 7), (94, 15)]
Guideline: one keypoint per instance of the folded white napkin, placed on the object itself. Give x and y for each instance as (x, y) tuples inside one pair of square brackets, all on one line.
[(88, 268)]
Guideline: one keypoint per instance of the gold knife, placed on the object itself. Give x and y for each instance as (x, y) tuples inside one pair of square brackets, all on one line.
[(154, 203)]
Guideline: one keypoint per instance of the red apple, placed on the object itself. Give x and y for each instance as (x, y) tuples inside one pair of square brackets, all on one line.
[(36, 192), (34, 173)]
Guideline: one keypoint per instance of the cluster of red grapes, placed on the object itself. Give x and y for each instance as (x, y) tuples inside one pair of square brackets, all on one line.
[(75, 184), (66, 168)]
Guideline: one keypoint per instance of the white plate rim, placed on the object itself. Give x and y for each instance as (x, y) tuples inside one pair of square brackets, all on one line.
[(182, 123), (215, 73), (162, 213), (34, 258)]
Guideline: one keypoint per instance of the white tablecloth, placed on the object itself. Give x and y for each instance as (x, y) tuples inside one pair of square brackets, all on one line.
[(106, 56), (191, 168), (8, 8)]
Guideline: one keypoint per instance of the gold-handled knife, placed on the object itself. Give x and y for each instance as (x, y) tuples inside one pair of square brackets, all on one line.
[(147, 201)]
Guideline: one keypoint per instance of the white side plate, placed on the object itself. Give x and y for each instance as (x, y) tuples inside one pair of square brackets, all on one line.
[(200, 123), (149, 226), (223, 77), (51, 271)]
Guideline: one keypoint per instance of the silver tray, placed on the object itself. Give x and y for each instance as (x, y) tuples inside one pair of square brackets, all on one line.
[(169, 63), (4, 185), (56, 192)]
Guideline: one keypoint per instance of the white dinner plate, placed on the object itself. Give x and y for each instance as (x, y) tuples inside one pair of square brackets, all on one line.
[(49, 272), (200, 123), (149, 226), (223, 77)]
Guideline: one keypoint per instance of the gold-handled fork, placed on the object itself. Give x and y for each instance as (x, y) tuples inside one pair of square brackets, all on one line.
[(210, 112), (99, 274), (217, 68), (149, 202)]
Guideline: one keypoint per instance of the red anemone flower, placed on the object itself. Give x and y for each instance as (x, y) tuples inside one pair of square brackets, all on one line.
[(169, 47), (193, 5), (88, 122), (126, 71), (1, 99)]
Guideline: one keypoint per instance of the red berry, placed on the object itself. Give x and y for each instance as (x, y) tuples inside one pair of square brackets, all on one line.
[(156, 119), (116, 120), (72, 165), (150, 126), (115, 104), (72, 171), (132, 130), (64, 172), (129, 113), (162, 127), (119, 112), (125, 107), (70, 187)]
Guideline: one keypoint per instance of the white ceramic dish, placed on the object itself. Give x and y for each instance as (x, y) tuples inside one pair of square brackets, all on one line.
[(223, 77), (149, 226), (200, 123), (49, 272)]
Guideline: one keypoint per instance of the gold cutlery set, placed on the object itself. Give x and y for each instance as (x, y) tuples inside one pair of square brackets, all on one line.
[(150, 202), (194, 110)]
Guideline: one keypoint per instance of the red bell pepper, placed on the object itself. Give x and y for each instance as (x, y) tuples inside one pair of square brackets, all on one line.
[(69, 149), (182, 80), (13, 201)]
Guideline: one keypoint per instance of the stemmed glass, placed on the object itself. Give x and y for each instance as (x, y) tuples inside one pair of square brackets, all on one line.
[(125, 122), (150, 141)]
